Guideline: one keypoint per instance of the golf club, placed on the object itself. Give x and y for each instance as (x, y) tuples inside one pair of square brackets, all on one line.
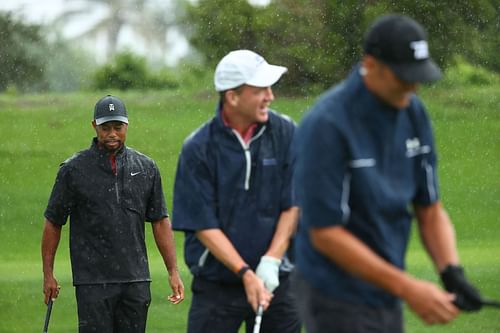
[(492, 303), (258, 319), (47, 316)]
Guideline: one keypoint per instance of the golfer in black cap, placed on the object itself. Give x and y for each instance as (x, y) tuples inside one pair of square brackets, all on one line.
[(109, 191), (366, 164)]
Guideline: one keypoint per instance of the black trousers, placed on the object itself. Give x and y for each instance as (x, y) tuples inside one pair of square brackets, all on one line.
[(321, 314), (113, 308), (220, 308)]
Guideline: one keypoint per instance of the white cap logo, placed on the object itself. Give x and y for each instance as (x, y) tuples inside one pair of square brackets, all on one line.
[(421, 49), (111, 107)]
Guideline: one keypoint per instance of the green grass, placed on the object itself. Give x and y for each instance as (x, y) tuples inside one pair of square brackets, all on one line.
[(38, 132)]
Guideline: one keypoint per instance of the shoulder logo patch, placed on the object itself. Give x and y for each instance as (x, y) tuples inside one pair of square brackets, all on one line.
[(413, 148)]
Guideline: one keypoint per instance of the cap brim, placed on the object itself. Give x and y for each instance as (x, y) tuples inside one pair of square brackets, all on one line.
[(419, 72), (103, 120), (266, 75)]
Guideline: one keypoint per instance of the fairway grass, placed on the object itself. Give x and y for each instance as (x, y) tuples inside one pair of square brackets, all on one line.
[(37, 132), (22, 309)]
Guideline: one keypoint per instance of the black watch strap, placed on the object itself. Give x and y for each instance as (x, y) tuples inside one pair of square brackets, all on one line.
[(242, 271)]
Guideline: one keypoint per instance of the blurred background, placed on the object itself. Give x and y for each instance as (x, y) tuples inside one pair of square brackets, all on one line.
[(68, 45)]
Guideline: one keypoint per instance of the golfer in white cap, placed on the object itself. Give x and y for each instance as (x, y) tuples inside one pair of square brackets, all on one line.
[(233, 199)]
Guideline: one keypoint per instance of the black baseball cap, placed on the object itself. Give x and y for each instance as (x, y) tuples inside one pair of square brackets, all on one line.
[(401, 43), (110, 108)]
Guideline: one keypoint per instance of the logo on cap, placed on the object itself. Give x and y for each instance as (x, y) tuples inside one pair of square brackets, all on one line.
[(258, 60), (420, 49), (111, 107)]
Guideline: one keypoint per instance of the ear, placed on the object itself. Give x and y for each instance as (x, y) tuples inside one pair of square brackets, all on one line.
[(94, 125), (368, 62), (232, 97)]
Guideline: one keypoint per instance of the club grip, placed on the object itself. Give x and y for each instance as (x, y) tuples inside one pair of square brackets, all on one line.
[(47, 316)]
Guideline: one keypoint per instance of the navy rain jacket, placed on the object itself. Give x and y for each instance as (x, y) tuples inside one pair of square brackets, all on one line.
[(240, 188)]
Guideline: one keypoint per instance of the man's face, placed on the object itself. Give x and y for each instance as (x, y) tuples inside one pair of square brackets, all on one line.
[(389, 87), (111, 135), (251, 103)]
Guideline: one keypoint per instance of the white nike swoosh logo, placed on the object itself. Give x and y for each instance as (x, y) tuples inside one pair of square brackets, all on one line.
[(135, 173)]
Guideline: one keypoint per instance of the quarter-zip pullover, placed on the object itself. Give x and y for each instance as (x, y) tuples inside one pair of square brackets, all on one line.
[(241, 188)]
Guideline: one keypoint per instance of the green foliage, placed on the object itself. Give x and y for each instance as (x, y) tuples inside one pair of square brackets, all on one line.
[(128, 71), (293, 46), (21, 44), (463, 73), (219, 26), (320, 40)]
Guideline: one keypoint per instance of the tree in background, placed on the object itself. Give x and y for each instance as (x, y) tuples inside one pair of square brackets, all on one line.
[(118, 14), (128, 71), (216, 27), (158, 19), (20, 64), (320, 40), (149, 19), (317, 40)]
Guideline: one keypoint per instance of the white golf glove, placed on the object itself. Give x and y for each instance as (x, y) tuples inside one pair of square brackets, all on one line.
[(268, 272)]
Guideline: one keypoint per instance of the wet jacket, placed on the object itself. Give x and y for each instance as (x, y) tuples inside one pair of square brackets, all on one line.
[(107, 213), (361, 164), (240, 188)]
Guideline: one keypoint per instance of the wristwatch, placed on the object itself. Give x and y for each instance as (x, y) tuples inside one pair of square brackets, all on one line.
[(242, 271)]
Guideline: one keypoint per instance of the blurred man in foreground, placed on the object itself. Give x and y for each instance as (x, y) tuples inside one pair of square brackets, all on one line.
[(366, 162)]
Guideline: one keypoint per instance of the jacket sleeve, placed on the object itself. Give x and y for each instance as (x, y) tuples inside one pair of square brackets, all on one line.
[(61, 199), (321, 173), (194, 206)]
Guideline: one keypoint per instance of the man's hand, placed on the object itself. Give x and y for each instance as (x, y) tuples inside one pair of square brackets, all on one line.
[(429, 302), (467, 297), (268, 272), (257, 294), (50, 288), (174, 279)]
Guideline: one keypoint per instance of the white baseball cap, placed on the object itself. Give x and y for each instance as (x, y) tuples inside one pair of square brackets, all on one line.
[(245, 67)]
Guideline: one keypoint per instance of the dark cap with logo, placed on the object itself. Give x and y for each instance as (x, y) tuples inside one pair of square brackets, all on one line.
[(110, 108), (401, 43)]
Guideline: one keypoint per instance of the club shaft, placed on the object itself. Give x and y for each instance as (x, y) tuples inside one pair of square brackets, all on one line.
[(489, 302), (258, 319), (47, 316)]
